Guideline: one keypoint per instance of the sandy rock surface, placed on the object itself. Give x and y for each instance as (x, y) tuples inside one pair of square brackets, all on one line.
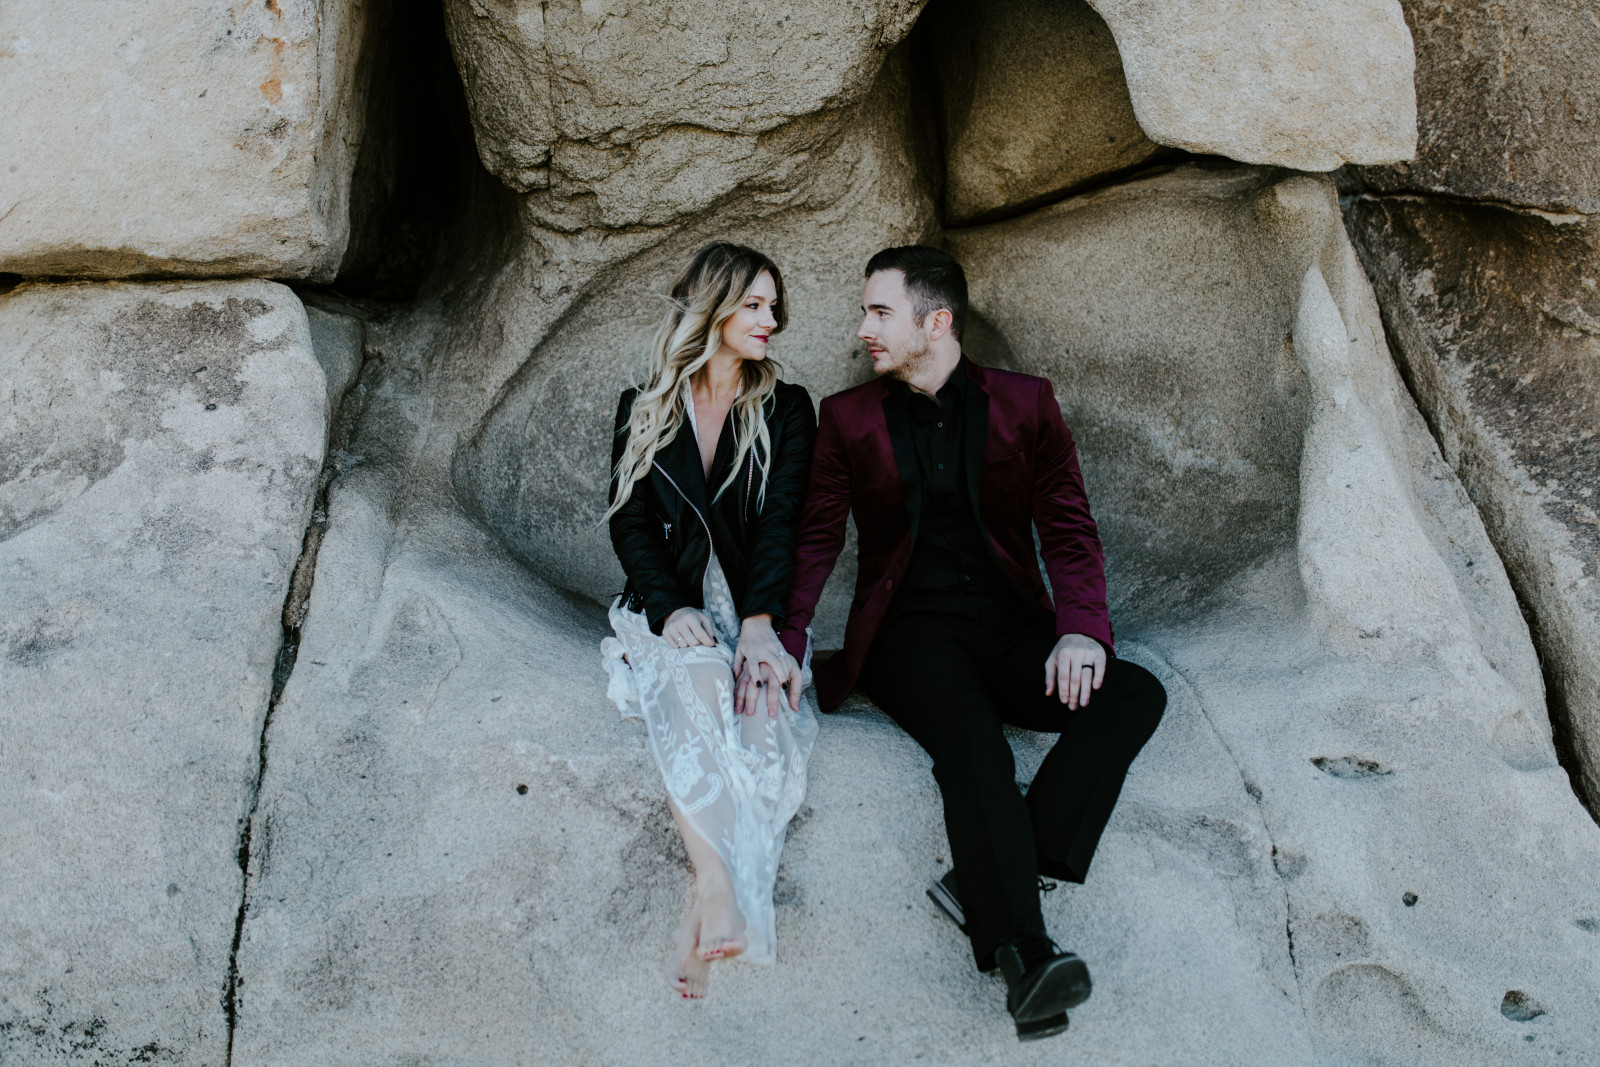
[(466, 855), (1499, 335), (1309, 86), (1351, 840), (464, 852), (1033, 103), (1508, 99), (198, 138), (161, 446)]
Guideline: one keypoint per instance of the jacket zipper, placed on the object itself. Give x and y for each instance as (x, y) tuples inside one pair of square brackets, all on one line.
[(710, 545), (749, 480)]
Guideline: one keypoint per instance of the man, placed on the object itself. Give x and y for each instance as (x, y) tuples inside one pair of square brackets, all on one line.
[(948, 468)]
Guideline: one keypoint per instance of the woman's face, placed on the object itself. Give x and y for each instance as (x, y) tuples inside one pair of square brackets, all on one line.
[(746, 334)]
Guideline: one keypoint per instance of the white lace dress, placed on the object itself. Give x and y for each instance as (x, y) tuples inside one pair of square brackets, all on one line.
[(737, 779)]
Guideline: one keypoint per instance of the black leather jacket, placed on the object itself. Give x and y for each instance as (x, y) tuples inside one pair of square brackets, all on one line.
[(663, 534)]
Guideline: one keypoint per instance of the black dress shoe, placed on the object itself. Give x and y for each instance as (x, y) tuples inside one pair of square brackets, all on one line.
[(1042, 983), (943, 893), (1056, 1024)]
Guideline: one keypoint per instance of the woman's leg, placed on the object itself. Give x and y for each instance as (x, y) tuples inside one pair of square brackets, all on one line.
[(686, 699), (716, 910), (686, 720)]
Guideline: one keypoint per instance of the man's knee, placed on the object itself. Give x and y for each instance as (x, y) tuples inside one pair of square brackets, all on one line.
[(1144, 700)]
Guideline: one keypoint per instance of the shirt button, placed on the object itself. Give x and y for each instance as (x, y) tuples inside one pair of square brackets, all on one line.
[(941, 466), (941, 426), (966, 577)]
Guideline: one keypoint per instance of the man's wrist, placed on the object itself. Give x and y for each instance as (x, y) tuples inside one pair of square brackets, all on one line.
[(1089, 637)]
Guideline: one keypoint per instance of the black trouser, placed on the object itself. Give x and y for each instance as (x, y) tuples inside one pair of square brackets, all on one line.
[(951, 677)]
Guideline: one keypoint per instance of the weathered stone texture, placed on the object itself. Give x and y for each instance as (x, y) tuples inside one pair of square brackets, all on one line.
[(1508, 99), (1493, 306), (453, 817), (1350, 841), (1033, 103), (159, 447), (1286, 82), (630, 116), (197, 138), (338, 341), (1190, 403), (1320, 580), (1358, 659), (536, 467), (1496, 320)]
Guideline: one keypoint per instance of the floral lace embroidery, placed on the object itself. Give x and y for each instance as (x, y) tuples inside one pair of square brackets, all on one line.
[(738, 779)]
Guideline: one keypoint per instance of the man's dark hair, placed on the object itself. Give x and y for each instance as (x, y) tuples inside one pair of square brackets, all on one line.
[(933, 279)]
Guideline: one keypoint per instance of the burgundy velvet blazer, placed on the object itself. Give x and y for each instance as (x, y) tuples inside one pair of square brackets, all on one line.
[(865, 463)]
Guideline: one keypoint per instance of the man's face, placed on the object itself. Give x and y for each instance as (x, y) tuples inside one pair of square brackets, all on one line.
[(897, 345)]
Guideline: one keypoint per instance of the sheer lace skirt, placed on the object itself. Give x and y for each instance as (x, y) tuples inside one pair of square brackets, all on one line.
[(737, 779)]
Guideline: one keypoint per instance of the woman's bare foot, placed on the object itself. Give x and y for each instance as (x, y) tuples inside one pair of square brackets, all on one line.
[(686, 971), (721, 934), (721, 923)]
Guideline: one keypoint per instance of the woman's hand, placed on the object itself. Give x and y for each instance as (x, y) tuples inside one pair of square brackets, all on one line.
[(761, 662), (688, 627)]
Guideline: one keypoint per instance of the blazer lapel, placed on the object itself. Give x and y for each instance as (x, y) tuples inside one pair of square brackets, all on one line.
[(977, 434), (905, 455)]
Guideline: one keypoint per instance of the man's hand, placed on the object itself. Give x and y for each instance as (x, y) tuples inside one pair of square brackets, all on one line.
[(1077, 665), (758, 679), (687, 627)]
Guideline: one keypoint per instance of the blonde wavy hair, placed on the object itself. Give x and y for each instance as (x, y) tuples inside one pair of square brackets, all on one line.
[(705, 296)]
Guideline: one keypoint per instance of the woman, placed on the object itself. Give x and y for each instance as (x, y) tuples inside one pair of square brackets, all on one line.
[(709, 466)]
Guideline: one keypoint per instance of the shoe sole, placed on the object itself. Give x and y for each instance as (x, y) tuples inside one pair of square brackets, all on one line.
[(948, 904), (1064, 985), (1050, 1027)]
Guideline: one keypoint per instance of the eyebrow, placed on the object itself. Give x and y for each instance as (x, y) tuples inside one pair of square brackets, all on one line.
[(875, 307)]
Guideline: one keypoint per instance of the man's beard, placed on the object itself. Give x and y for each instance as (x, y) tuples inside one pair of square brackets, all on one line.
[(910, 362)]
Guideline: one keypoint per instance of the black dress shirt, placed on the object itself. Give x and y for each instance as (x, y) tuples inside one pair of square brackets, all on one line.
[(950, 561)]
